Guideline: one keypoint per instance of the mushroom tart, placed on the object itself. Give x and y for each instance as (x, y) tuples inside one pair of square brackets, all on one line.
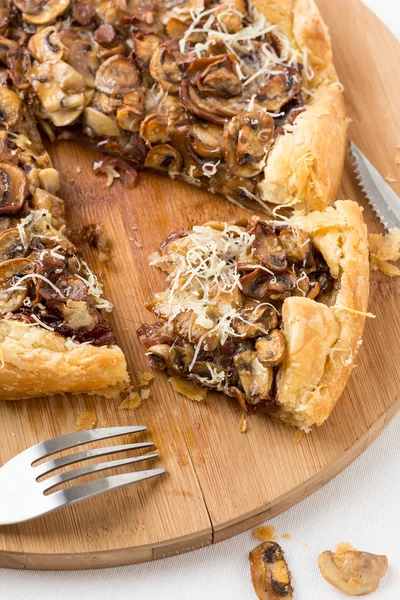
[(240, 98), (54, 335), (270, 313)]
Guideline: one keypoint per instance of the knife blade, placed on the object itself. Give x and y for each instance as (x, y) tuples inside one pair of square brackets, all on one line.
[(383, 200)]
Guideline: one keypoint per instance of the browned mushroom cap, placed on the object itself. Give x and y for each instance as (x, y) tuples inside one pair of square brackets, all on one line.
[(164, 158), (211, 108), (166, 357), (11, 300), (246, 140), (46, 45), (352, 572), (256, 380), (117, 76), (271, 348), (260, 285), (269, 572), (281, 88), (11, 245), (13, 188), (164, 67), (179, 140), (205, 140), (216, 75), (154, 129), (297, 245), (255, 319), (83, 59), (145, 47), (10, 107), (131, 113), (235, 187), (268, 248), (41, 13), (18, 61)]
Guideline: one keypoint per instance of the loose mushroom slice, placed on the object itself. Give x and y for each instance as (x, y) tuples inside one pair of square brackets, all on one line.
[(11, 245), (269, 572), (164, 67), (271, 348), (46, 45), (247, 138), (98, 124), (83, 59), (216, 76), (13, 188), (262, 286), (145, 47), (353, 572), (256, 380), (297, 245), (280, 89), (10, 272), (44, 12), (154, 129), (164, 158), (117, 76), (255, 319), (268, 248), (10, 107), (205, 140)]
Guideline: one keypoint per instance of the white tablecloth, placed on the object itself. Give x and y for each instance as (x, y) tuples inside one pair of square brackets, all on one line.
[(361, 506)]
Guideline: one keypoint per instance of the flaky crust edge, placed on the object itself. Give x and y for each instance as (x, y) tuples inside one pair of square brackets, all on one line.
[(36, 362), (304, 167), (341, 235)]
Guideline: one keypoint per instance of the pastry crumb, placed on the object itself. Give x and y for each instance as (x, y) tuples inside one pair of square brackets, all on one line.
[(390, 179), (78, 169), (85, 420), (105, 423), (145, 378), (131, 402), (397, 159), (287, 536), (145, 393), (243, 424), (188, 388), (384, 251), (265, 533), (298, 436)]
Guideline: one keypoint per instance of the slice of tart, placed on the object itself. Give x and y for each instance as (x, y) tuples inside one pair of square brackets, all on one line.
[(268, 312)]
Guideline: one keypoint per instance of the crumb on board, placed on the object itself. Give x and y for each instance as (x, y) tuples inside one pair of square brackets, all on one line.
[(145, 378), (397, 159), (298, 436), (265, 533), (105, 423), (287, 536), (145, 393), (78, 170), (131, 402), (390, 179), (85, 420), (137, 244), (243, 424), (384, 251), (188, 388)]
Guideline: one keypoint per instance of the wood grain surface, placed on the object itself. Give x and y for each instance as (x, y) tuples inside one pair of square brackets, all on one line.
[(219, 481)]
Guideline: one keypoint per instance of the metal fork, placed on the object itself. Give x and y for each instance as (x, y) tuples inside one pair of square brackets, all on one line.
[(22, 496)]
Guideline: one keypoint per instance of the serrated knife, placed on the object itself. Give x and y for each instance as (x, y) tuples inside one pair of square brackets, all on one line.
[(383, 200)]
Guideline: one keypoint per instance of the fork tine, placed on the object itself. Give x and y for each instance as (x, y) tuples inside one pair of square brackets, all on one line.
[(98, 486), (63, 461), (50, 483), (69, 440)]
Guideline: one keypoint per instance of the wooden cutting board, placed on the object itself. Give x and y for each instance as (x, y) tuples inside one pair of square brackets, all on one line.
[(219, 482)]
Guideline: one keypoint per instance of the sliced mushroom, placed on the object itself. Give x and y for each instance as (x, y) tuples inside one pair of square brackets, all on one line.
[(164, 158), (11, 245), (166, 357), (185, 326), (255, 319), (231, 15), (256, 380), (205, 140), (64, 117), (12, 299), (42, 199), (58, 86), (260, 285), (236, 187), (211, 108), (154, 129), (18, 61), (280, 89), (46, 45), (145, 47), (271, 348), (98, 124), (216, 76), (268, 248), (10, 107), (297, 245), (117, 76), (144, 20), (352, 572), (105, 103), (83, 59), (176, 29), (164, 67), (269, 572), (247, 138), (43, 12), (49, 180), (131, 113), (13, 188)]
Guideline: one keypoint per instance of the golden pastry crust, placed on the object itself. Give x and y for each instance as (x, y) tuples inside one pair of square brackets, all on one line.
[(36, 362), (304, 166), (328, 338)]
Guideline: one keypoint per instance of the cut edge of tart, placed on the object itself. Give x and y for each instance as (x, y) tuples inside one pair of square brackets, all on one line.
[(269, 312)]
